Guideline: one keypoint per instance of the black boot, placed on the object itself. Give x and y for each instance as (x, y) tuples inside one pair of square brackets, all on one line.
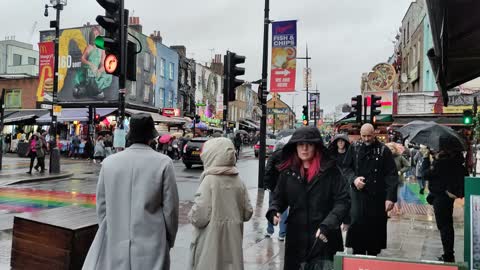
[(447, 258)]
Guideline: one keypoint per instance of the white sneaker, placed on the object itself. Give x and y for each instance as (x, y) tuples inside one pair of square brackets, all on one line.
[(281, 238), (268, 235)]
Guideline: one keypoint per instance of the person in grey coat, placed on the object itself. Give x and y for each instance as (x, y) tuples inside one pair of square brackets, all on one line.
[(137, 206)]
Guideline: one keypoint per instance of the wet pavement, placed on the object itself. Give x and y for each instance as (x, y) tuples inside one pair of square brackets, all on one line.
[(412, 232)]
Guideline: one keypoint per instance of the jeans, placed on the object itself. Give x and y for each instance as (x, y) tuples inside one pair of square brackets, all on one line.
[(283, 218)]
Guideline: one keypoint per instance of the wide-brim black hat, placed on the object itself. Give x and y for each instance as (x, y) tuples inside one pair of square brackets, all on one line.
[(142, 128)]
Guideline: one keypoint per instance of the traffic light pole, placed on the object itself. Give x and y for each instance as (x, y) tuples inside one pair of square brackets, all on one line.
[(365, 106), (263, 100), (122, 79), (226, 87), (307, 81), (54, 151)]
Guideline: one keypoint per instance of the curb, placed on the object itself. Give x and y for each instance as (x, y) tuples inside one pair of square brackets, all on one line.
[(63, 175)]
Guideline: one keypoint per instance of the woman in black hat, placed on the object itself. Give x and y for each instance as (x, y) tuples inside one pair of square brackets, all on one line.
[(310, 184)]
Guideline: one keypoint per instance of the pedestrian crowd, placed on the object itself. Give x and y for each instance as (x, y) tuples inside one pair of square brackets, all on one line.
[(316, 192)]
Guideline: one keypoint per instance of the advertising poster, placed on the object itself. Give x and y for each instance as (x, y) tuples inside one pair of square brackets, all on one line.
[(284, 53), (81, 75), (46, 68), (387, 101)]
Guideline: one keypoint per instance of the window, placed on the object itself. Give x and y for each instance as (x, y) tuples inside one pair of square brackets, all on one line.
[(17, 60), (408, 31), (182, 76), (170, 71), (13, 99), (146, 62), (162, 67), (133, 89), (146, 93), (32, 61), (414, 54), (162, 96)]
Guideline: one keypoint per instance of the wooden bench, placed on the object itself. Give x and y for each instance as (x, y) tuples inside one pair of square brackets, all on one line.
[(53, 239)]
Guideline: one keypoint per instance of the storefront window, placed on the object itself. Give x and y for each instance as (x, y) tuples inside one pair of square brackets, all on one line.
[(13, 99)]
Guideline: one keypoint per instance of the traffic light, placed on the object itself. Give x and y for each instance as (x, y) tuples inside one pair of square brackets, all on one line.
[(305, 115), (357, 108), (115, 39), (96, 119), (375, 102), (231, 71), (467, 117)]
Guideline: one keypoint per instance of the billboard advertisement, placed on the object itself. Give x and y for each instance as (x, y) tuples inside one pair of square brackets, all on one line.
[(284, 53), (82, 77), (386, 101)]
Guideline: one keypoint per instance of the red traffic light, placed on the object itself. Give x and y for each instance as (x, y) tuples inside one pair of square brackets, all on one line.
[(111, 63)]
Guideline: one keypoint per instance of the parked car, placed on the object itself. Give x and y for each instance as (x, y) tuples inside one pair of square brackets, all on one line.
[(270, 146), (192, 151)]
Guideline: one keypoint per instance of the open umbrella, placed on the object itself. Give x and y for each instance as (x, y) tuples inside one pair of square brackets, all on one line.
[(241, 131), (165, 138), (434, 136)]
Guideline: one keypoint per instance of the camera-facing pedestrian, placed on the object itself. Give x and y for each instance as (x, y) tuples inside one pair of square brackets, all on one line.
[(309, 184), (220, 208), (137, 206), (371, 172)]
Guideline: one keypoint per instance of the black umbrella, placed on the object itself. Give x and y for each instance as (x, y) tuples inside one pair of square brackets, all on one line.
[(412, 128), (434, 136)]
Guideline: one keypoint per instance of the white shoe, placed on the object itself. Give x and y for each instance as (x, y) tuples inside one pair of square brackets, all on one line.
[(268, 235), (281, 238)]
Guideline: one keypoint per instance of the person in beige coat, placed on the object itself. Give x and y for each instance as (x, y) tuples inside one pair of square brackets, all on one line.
[(220, 208)]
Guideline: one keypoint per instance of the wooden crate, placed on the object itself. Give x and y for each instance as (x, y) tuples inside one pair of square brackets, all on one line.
[(53, 239)]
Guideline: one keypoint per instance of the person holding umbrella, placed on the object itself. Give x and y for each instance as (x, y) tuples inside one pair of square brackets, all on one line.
[(308, 184), (446, 183)]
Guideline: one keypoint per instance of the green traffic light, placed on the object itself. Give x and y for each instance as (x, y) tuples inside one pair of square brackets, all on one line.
[(304, 117), (100, 42), (467, 120)]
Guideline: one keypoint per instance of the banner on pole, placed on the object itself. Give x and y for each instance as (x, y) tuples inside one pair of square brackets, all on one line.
[(46, 63), (284, 53)]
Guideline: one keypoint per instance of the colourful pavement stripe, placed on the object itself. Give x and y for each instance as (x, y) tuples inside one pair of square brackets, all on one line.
[(31, 200)]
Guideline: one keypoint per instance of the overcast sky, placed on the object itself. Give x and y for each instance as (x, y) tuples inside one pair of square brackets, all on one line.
[(345, 37)]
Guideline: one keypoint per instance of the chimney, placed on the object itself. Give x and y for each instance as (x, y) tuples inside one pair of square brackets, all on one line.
[(134, 23), (156, 37), (181, 50), (217, 65)]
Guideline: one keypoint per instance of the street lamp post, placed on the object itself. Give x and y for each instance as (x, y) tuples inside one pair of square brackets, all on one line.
[(54, 151)]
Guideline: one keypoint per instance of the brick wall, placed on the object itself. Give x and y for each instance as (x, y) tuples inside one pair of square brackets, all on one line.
[(28, 87)]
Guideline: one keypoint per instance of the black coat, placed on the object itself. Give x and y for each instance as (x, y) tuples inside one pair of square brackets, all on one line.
[(447, 174), (368, 228), (322, 203), (271, 170)]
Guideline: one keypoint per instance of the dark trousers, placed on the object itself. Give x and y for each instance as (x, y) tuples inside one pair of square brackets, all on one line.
[(32, 155), (41, 163), (443, 208)]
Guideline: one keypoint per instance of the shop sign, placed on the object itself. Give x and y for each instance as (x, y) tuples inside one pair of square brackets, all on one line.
[(170, 112), (57, 110)]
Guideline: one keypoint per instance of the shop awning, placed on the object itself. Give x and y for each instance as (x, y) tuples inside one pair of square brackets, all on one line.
[(442, 120), (24, 116), (75, 114), (455, 58), (157, 118)]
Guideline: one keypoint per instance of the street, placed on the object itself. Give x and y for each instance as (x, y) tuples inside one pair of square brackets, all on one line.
[(412, 235)]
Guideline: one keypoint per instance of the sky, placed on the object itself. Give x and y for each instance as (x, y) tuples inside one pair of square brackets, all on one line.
[(345, 37)]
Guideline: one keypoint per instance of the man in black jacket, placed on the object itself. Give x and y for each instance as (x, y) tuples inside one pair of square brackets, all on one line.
[(270, 182), (370, 170)]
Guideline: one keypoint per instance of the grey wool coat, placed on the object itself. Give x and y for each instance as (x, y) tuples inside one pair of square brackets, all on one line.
[(137, 208), (220, 208)]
